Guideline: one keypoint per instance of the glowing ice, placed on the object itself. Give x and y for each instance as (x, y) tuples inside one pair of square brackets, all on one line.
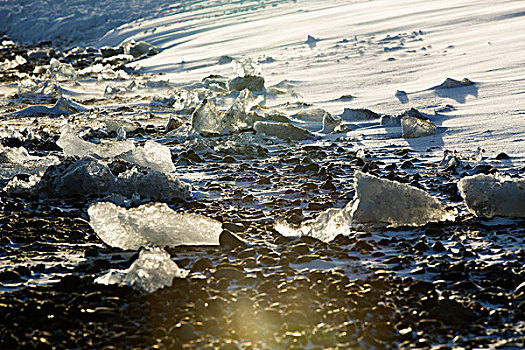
[(493, 195), (152, 224), (152, 270)]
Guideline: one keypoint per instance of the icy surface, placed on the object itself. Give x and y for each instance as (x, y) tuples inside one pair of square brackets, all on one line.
[(384, 201), (152, 270), (153, 224), (494, 195)]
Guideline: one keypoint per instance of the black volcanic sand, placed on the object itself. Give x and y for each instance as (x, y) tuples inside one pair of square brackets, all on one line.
[(447, 285)]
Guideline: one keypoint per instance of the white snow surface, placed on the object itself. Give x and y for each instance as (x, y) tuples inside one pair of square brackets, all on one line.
[(152, 270), (152, 224), (369, 49), (494, 195)]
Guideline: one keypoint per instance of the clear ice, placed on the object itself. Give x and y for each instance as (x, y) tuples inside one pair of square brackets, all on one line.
[(152, 270), (59, 71), (152, 224), (413, 127), (151, 155), (493, 195)]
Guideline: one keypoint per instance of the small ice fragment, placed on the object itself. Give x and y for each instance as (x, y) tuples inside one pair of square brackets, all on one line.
[(237, 118), (384, 201), (73, 145), (358, 114), (206, 118), (251, 82), (311, 41), (152, 224), (61, 71), (332, 125), (246, 68), (493, 195), (450, 160), (283, 131), (152, 270), (478, 156), (325, 227), (172, 124), (401, 96), (121, 134), (413, 127)]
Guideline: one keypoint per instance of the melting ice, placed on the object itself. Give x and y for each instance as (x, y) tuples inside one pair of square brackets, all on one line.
[(153, 224), (152, 270)]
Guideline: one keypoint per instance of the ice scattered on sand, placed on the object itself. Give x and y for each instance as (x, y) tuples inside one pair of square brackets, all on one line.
[(377, 201), (384, 201), (73, 145), (283, 131), (59, 71), (152, 224), (152, 270), (493, 195), (92, 177), (413, 127)]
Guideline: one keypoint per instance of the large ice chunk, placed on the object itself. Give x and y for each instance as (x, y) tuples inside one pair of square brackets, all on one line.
[(152, 155), (152, 270), (91, 177), (413, 127), (61, 71), (283, 131), (152, 224), (384, 201), (17, 159), (493, 195)]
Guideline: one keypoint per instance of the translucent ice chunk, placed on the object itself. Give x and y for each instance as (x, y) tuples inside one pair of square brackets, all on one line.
[(206, 118), (61, 71), (91, 177), (384, 201), (246, 67), (152, 224), (283, 131), (152, 270), (237, 118), (139, 49), (73, 145), (16, 159), (325, 227), (152, 155), (332, 124), (413, 127), (312, 114), (493, 195)]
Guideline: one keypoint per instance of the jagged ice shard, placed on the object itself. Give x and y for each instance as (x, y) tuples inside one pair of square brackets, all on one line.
[(489, 195), (152, 224), (152, 270), (377, 201)]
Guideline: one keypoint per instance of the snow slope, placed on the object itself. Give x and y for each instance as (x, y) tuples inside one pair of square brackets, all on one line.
[(368, 49)]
